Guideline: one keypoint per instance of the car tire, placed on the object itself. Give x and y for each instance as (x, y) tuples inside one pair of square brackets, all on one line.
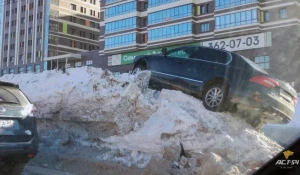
[(12, 168), (138, 68), (215, 97)]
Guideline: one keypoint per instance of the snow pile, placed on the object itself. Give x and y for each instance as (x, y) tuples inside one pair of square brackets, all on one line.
[(86, 94), (168, 124), (182, 119)]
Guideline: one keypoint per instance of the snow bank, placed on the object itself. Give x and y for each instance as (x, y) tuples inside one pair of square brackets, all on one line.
[(167, 124), (183, 119), (85, 94)]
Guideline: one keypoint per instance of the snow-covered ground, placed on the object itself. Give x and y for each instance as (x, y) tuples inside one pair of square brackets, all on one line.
[(285, 134), (140, 125)]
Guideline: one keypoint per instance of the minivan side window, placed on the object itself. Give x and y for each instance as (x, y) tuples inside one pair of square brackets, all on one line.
[(212, 55), (184, 52)]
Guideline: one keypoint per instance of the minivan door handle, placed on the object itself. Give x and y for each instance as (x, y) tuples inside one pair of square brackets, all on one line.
[(212, 67)]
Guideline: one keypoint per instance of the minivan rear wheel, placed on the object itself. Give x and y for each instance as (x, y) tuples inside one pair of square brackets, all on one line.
[(214, 97), (138, 68)]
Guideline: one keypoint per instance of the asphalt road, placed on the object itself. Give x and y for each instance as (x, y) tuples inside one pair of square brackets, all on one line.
[(35, 170)]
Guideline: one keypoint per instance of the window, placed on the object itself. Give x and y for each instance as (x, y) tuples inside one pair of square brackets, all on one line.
[(5, 59), (236, 19), (263, 61), (6, 24), (31, 5), (72, 31), (23, 8), (5, 48), (170, 14), (73, 7), (13, 34), (267, 16), (39, 41), (120, 25), (28, 69), (153, 3), (22, 44), (78, 64), (28, 55), (40, 2), (38, 54), (145, 38), (82, 21), (145, 6), (82, 34), (22, 32), (121, 9), (30, 30), (7, 13), (6, 36), (207, 8), (21, 70), (21, 57), (170, 31), (72, 19), (11, 59), (204, 27), (31, 18), (89, 63), (39, 28), (23, 20), (283, 13), (203, 9), (92, 24), (37, 68), (221, 4), (11, 71), (82, 9), (12, 46), (3, 72), (120, 40), (93, 2), (29, 42)]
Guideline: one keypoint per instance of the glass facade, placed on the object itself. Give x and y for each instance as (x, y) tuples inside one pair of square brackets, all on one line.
[(237, 19), (120, 25), (170, 31), (110, 1), (121, 40), (170, 14), (263, 62), (153, 3), (121, 9), (221, 4)]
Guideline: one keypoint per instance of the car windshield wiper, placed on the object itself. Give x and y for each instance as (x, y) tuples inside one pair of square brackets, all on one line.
[(11, 102)]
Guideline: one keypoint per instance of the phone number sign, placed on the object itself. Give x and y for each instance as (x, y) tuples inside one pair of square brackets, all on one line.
[(241, 43)]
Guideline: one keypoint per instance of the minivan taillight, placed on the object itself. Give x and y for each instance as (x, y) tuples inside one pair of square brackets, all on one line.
[(295, 99), (265, 81)]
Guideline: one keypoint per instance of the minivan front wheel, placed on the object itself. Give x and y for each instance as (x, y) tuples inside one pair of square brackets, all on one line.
[(214, 98)]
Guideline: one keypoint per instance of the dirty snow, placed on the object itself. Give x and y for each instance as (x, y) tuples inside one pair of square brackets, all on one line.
[(144, 123)]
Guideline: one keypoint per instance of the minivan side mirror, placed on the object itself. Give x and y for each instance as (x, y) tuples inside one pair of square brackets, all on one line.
[(164, 51)]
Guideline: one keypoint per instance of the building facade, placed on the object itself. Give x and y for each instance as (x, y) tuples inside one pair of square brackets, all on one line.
[(265, 31), (33, 32)]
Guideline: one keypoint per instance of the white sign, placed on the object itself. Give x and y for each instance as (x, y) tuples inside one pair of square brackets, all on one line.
[(238, 43), (116, 60)]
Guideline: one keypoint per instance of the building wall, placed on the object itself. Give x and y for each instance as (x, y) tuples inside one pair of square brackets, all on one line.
[(32, 49)]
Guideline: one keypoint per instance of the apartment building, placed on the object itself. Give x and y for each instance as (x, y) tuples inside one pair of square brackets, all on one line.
[(265, 31), (43, 34)]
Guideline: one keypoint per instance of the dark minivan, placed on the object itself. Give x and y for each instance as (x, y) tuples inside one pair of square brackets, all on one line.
[(224, 80), (18, 129)]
